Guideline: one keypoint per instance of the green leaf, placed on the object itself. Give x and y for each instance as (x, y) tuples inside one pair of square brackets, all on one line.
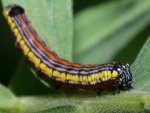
[(59, 109), (7, 100), (145, 100), (132, 101), (104, 30), (124, 102), (140, 68)]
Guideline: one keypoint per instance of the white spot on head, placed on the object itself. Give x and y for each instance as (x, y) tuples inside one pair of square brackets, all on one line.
[(127, 65), (118, 69), (120, 79)]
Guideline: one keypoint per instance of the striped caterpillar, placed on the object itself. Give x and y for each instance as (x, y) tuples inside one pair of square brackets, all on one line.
[(114, 76)]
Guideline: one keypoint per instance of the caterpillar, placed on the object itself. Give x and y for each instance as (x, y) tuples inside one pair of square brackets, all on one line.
[(114, 76)]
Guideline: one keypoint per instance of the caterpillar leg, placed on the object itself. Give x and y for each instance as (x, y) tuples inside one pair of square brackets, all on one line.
[(114, 89)]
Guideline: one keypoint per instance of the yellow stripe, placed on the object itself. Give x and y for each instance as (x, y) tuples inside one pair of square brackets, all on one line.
[(69, 76), (25, 50), (42, 67), (80, 78), (36, 61), (49, 72), (19, 37), (5, 13), (9, 20), (62, 76), (114, 74), (16, 32), (55, 73)]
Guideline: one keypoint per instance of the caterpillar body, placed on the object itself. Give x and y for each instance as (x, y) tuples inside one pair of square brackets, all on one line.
[(111, 75)]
